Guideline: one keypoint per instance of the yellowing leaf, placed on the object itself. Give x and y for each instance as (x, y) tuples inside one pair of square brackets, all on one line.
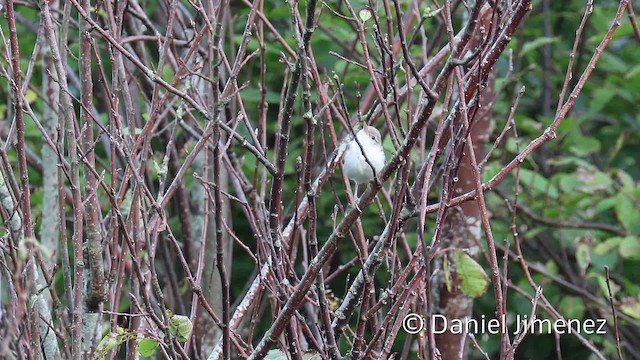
[(180, 326), (111, 341), (365, 14), (31, 96), (473, 279)]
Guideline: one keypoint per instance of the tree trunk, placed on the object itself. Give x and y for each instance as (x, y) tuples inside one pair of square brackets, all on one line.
[(463, 227)]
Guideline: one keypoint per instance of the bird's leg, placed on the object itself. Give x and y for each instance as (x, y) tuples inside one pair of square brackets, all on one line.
[(356, 198)]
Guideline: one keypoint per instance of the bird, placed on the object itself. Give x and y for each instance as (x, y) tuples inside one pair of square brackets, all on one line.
[(364, 157)]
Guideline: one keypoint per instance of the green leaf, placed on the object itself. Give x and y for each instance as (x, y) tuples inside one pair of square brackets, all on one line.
[(311, 356), (583, 146), (538, 42), (254, 95), (429, 12), (31, 96), (583, 256), (596, 181), (279, 12), (147, 347), (612, 63), (605, 204), (365, 14), (473, 279), (568, 182), (627, 181), (552, 267), (633, 72), (538, 182), (630, 248), (572, 307), (111, 341), (161, 170), (608, 245), (628, 213), (127, 131), (513, 146), (601, 97), (631, 307), (602, 284), (180, 326), (276, 354)]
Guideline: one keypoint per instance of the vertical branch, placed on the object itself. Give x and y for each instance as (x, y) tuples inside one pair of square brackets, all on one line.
[(78, 216), (133, 222), (119, 89), (613, 311), (282, 140), (282, 149), (51, 219), (49, 231), (220, 240), (311, 123), (95, 292), (220, 245), (68, 111), (32, 332), (462, 228), (15, 228), (16, 86)]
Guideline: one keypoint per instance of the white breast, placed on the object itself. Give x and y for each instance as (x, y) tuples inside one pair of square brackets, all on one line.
[(355, 166)]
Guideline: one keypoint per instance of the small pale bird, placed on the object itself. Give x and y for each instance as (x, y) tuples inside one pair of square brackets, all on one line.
[(354, 164)]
